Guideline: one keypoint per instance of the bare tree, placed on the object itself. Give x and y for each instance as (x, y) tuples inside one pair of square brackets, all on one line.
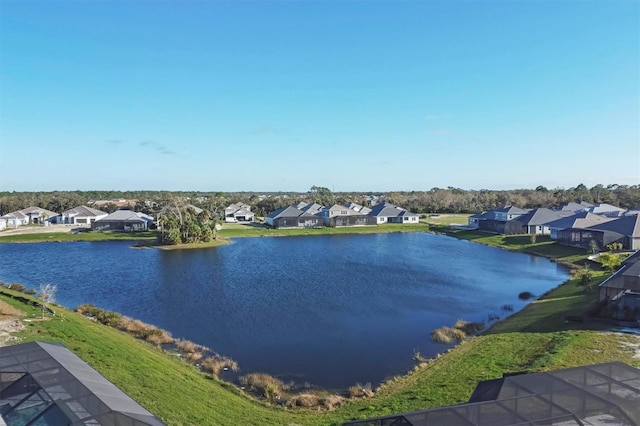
[(47, 295)]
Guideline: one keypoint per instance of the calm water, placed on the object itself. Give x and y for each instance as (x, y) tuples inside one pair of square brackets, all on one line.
[(328, 310)]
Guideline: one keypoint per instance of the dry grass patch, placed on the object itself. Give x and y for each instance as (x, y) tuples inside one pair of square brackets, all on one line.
[(269, 386), (7, 311), (460, 331), (360, 391), (307, 400), (215, 364)]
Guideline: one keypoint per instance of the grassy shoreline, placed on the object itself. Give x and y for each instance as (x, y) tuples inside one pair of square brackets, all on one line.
[(537, 338)]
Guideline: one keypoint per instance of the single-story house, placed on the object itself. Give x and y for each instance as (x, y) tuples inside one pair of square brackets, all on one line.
[(536, 221), (123, 220), (622, 289), (342, 216), (3, 224), (500, 221), (626, 227), (47, 384), (579, 220), (81, 215), (30, 215), (313, 208), (239, 212), (292, 217), (390, 213), (576, 207)]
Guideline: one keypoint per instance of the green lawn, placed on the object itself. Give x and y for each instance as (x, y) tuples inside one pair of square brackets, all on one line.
[(80, 236), (235, 230)]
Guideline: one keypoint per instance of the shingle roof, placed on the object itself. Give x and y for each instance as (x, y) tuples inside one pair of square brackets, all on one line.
[(285, 212), (580, 220), (125, 216), (540, 216), (628, 226), (84, 211), (386, 210), (39, 210)]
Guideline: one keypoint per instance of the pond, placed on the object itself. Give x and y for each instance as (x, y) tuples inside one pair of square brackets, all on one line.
[(325, 310)]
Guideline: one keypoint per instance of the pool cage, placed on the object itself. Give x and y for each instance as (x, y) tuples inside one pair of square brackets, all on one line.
[(601, 394), (46, 384)]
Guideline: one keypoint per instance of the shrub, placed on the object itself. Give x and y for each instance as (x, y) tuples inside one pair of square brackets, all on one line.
[(271, 387), (159, 337), (359, 391), (507, 308), (468, 327), (332, 401), (525, 295), (305, 400), (16, 287), (30, 291), (442, 335), (418, 358), (217, 363)]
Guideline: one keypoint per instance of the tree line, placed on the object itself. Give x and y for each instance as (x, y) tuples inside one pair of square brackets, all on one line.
[(435, 200)]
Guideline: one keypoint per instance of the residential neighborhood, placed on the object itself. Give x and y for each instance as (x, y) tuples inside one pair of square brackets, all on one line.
[(573, 224)]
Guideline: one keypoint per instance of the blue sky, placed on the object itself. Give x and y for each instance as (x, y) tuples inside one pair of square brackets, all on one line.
[(350, 95)]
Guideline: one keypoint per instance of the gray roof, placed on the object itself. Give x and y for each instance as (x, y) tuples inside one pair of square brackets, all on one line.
[(388, 210), (540, 216), (574, 207), (628, 226), (39, 211), (512, 210), (84, 211), (285, 212), (605, 208), (314, 208), (75, 391), (580, 220), (126, 216)]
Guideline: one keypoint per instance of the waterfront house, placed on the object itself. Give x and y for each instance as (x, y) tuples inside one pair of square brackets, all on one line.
[(536, 221), (81, 215), (625, 230), (30, 215), (621, 291), (579, 220), (123, 220), (342, 216), (500, 221), (390, 213), (292, 217)]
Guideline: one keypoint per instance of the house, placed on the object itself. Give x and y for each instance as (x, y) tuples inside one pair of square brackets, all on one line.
[(536, 221), (599, 394), (292, 217), (390, 213), (123, 220), (625, 229), (3, 224), (342, 216), (621, 291), (561, 229), (81, 215), (47, 384), (500, 220), (30, 215), (239, 212)]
